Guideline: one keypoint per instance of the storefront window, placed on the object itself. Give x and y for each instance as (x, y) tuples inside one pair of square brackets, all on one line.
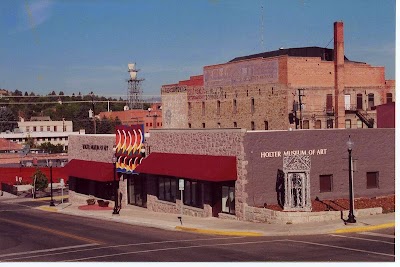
[(193, 193), (167, 188), (228, 199)]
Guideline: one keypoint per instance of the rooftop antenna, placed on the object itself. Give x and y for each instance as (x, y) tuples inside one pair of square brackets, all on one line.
[(134, 95)]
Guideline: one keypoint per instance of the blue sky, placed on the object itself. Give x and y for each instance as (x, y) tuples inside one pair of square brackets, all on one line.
[(85, 45)]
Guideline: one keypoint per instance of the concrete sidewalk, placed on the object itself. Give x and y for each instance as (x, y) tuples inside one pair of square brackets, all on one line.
[(140, 216)]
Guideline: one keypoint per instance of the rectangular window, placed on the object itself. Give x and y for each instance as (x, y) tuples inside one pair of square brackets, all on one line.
[(348, 124), (347, 102), (158, 124), (27, 128), (329, 103), (204, 125), (317, 124), (359, 124), (189, 108), (234, 106), (306, 124), (372, 179), (48, 128), (34, 128), (219, 125), (359, 101), (218, 107), (329, 123), (265, 125), (253, 126), (41, 128), (203, 108), (371, 101), (151, 124), (228, 199), (167, 188), (55, 128), (193, 193), (235, 124), (147, 124), (325, 183), (252, 108), (389, 98), (190, 125)]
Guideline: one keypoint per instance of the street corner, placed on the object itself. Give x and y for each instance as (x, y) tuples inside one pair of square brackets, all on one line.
[(217, 232), (47, 208), (359, 228)]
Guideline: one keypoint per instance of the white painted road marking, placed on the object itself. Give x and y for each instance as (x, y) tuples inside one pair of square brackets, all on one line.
[(344, 248), (377, 234), (117, 246), (366, 239), (45, 250)]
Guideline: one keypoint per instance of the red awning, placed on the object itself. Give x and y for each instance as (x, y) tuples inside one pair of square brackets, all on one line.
[(198, 167), (91, 170)]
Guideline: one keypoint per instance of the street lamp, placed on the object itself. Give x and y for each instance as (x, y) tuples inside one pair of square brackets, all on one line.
[(351, 218), (115, 211), (51, 184)]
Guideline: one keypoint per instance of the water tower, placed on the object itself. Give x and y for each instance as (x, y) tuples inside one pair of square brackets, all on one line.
[(134, 95)]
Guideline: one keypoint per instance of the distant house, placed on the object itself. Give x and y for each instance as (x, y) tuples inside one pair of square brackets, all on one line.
[(7, 146)]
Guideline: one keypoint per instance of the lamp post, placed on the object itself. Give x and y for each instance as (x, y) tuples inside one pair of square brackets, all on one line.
[(115, 211), (351, 218), (51, 184)]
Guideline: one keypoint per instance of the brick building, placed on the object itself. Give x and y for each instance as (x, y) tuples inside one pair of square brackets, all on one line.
[(265, 91)]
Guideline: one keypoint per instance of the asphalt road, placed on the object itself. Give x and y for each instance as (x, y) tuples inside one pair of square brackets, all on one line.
[(31, 235)]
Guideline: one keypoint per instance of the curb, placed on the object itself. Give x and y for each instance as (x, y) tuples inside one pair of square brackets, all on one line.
[(364, 228), (47, 208), (217, 232)]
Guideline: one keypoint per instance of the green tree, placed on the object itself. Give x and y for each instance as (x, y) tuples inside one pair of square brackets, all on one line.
[(41, 180), (8, 120)]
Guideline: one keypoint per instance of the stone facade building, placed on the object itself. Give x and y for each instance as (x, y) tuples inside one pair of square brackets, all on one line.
[(235, 173), (265, 91)]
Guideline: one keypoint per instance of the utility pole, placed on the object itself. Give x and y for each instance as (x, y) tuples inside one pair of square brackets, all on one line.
[(94, 117), (301, 91)]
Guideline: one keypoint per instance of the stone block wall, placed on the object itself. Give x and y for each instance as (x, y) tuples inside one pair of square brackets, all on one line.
[(223, 142)]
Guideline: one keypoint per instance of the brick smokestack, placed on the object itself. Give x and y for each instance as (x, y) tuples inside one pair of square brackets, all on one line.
[(338, 36)]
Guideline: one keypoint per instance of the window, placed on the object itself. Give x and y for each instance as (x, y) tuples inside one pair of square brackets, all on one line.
[(34, 128), (348, 124), (325, 183), (228, 199), (253, 126), (27, 128), (306, 124), (190, 125), (329, 103), (189, 108), (55, 128), (265, 125), (167, 188), (204, 125), (48, 128), (203, 108), (389, 98), (218, 107), (329, 123), (370, 100), (347, 102), (372, 179), (235, 124), (359, 124), (158, 124), (359, 101), (247, 92), (193, 193), (234, 106), (219, 125), (252, 105), (151, 124), (147, 124), (317, 124), (41, 128)]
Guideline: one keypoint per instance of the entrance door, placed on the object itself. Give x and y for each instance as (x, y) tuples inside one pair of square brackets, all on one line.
[(216, 190), (137, 190)]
